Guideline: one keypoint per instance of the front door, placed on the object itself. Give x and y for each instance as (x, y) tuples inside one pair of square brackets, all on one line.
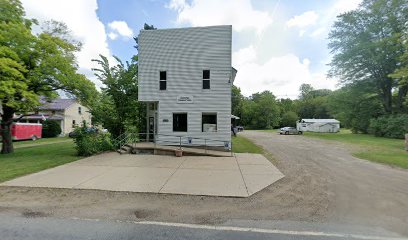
[(151, 129)]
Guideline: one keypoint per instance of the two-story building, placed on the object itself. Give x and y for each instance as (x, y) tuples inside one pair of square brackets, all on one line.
[(69, 113), (185, 76)]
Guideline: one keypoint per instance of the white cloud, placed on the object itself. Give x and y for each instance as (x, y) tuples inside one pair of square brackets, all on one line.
[(329, 16), (267, 66), (238, 13), (120, 28), (342, 6), (80, 17), (281, 75), (306, 19), (112, 35)]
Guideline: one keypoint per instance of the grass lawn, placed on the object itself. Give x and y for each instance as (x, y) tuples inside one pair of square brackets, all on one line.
[(40, 141), (34, 159), (243, 145), (376, 149)]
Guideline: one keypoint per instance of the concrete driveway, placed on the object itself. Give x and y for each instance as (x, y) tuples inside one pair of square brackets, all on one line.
[(238, 176)]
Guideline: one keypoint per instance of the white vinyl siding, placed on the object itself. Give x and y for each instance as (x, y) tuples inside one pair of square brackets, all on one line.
[(184, 53)]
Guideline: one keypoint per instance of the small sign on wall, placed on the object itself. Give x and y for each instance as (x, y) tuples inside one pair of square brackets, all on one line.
[(227, 145), (185, 99)]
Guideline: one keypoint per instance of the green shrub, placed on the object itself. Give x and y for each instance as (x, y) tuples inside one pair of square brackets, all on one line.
[(89, 142), (50, 129), (392, 126)]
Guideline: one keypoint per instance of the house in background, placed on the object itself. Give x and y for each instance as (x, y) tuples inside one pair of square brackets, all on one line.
[(318, 125), (185, 77), (68, 112)]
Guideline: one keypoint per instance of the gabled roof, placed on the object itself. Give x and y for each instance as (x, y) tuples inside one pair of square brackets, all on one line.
[(57, 104), (312, 120)]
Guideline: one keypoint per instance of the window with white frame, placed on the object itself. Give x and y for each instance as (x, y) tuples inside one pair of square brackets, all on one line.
[(206, 79), (163, 80)]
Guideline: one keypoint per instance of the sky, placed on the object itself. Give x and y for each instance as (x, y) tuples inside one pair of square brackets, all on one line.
[(276, 45)]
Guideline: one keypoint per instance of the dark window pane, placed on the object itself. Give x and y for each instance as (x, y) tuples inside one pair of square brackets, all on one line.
[(206, 74), (163, 75), (206, 84), (179, 122), (163, 85)]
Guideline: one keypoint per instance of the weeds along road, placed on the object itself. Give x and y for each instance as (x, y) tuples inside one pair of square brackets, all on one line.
[(354, 191)]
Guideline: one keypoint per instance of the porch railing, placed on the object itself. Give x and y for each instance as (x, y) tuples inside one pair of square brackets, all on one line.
[(173, 140)]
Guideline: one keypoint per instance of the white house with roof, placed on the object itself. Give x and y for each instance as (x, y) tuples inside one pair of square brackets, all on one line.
[(67, 112), (318, 125), (185, 77)]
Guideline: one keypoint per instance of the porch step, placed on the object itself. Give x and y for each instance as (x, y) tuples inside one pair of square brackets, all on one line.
[(125, 149)]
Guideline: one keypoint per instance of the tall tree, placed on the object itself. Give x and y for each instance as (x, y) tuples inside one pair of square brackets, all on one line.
[(237, 99), (261, 111), (305, 90), (34, 65), (119, 96), (367, 45), (355, 105), (401, 77)]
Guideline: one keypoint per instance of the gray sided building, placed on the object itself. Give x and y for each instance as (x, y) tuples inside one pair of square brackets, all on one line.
[(185, 76)]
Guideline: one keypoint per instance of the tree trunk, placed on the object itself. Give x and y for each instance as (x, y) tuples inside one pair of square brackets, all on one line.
[(6, 121), (402, 94), (387, 96)]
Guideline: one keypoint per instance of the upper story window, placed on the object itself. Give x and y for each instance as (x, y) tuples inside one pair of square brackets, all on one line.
[(206, 79), (79, 110), (163, 80)]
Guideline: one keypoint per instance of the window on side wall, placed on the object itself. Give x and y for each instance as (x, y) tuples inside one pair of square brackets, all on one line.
[(206, 79), (163, 80), (209, 122), (179, 122), (79, 110), (73, 124)]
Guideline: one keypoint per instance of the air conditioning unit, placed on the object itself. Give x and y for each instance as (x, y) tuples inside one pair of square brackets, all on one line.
[(209, 127)]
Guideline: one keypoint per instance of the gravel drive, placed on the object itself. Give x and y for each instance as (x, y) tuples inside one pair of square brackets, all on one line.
[(356, 191)]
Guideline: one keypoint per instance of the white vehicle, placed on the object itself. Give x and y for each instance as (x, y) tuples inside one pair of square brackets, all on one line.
[(289, 130)]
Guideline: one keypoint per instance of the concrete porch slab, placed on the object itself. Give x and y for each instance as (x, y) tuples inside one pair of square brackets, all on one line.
[(239, 176)]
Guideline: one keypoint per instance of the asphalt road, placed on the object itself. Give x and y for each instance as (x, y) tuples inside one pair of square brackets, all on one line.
[(15, 227)]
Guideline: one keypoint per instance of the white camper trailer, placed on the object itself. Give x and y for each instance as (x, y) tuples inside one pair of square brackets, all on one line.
[(318, 125)]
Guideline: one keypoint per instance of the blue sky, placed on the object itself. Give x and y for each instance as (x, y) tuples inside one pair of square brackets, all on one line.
[(277, 45)]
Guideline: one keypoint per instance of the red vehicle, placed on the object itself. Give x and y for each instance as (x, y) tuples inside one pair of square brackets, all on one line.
[(24, 131)]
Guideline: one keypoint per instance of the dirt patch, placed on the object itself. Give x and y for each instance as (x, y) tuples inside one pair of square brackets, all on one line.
[(208, 219), (33, 214), (144, 213)]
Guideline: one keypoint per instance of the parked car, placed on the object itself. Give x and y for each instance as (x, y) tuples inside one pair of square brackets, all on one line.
[(240, 128), (289, 130), (73, 134)]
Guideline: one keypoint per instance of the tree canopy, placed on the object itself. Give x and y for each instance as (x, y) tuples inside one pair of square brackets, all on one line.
[(367, 46), (35, 65), (118, 108)]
